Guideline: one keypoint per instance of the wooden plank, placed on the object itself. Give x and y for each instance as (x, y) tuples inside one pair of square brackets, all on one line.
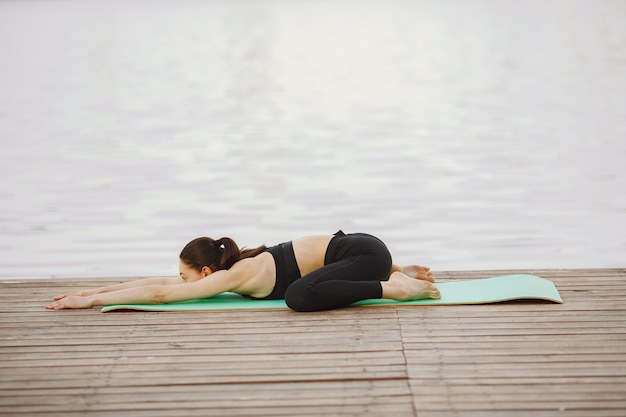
[(523, 360), (555, 410), (513, 359)]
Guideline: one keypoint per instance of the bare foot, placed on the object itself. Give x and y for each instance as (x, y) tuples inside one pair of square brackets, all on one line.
[(418, 272), (401, 287)]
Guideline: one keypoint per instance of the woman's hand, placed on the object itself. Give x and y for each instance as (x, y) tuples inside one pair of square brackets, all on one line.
[(84, 293), (71, 301)]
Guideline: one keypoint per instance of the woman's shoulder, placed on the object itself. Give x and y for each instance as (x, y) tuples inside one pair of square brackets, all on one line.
[(254, 276), (253, 263)]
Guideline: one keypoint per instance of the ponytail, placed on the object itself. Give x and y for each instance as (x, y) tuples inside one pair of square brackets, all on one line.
[(229, 252), (217, 254)]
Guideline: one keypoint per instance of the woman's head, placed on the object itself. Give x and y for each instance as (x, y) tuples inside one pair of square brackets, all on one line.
[(214, 255)]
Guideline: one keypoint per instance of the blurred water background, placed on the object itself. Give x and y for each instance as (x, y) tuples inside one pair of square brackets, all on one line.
[(466, 134)]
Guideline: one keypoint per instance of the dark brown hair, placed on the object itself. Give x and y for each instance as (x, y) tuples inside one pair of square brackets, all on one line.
[(216, 254)]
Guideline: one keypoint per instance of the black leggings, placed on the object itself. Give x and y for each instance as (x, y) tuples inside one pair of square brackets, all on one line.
[(354, 265)]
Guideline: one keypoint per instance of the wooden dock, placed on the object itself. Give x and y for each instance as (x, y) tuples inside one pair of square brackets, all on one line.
[(509, 359)]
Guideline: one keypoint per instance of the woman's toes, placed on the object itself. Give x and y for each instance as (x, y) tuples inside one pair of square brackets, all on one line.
[(426, 277)]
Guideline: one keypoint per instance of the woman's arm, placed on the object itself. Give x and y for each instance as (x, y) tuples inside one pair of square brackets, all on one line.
[(216, 283), (131, 284)]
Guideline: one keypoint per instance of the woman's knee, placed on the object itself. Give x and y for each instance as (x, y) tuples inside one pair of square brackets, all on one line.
[(380, 261), (377, 253), (297, 299)]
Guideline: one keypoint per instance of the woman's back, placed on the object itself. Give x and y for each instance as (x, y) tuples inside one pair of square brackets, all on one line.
[(310, 252)]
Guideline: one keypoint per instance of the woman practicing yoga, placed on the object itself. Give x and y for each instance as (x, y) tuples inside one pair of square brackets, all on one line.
[(312, 273)]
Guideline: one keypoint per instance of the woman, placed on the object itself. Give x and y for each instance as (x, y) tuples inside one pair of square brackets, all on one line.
[(312, 273)]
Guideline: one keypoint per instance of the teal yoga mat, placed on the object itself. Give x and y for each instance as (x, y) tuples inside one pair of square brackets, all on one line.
[(476, 291)]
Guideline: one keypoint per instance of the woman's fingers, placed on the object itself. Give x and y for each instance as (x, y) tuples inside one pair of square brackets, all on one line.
[(70, 294), (72, 301), (54, 306)]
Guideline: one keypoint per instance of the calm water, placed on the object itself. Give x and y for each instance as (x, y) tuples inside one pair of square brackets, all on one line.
[(466, 134)]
